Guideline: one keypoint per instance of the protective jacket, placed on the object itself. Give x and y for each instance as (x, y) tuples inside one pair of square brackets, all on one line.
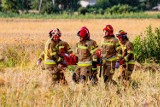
[(85, 52), (110, 48)]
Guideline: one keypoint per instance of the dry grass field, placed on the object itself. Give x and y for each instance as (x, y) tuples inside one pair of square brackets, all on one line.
[(35, 31), (28, 86)]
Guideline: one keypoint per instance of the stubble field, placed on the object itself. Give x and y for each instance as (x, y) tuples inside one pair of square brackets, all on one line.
[(25, 85)]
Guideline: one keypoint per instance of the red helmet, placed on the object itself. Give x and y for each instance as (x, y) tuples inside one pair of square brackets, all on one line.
[(108, 28), (84, 32), (121, 33), (56, 32)]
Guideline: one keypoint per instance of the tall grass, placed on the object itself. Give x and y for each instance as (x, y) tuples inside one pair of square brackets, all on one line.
[(32, 88), (21, 55)]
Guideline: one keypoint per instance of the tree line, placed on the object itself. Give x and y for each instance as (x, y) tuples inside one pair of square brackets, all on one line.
[(60, 6)]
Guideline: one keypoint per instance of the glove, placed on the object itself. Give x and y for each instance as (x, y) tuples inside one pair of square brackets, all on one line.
[(121, 62), (117, 65), (38, 62)]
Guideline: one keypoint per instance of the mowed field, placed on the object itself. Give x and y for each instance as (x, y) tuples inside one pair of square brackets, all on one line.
[(33, 31), (23, 84)]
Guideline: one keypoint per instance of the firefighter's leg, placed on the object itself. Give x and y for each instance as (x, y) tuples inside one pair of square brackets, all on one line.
[(85, 73), (113, 63), (94, 78), (76, 75), (56, 75), (121, 72), (110, 73), (129, 72), (62, 77), (106, 76), (53, 73)]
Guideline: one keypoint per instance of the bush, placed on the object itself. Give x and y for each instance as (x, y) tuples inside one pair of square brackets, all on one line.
[(101, 11), (49, 8), (10, 6), (147, 47), (121, 9), (82, 10), (92, 10)]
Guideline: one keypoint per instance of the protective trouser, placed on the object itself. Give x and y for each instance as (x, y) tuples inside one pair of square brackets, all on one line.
[(55, 74), (125, 71), (82, 73), (108, 71)]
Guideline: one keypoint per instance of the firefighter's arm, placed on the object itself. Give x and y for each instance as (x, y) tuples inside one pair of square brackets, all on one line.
[(52, 50), (68, 49), (77, 50), (93, 50), (41, 56), (58, 56), (118, 50), (130, 52)]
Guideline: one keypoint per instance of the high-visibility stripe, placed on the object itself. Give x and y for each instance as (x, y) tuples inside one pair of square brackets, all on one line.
[(61, 47), (94, 59), (48, 62), (131, 62), (84, 64), (124, 47), (118, 48), (117, 44), (89, 63), (94, 68), (114, 58), (125, 58), (92, 51), (112, 71), (107, 43), (54, 49), (92, 47), (59, 59), (82, 47), (130, 51), (76, 49), (119, 55), (53, 53)]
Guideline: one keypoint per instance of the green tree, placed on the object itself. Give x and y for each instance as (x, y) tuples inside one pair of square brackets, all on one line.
[(35, 4), (103, 4), (24, 5), (0, 5), (49, 7), (148, 4), (15, 5), (68, 4), (10, 5), (129, 2)]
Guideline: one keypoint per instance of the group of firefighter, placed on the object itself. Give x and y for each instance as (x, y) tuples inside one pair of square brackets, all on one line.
[(115, 52)]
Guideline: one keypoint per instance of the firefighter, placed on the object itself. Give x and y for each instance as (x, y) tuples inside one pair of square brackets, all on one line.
[(86, 53), (126, 59), (110, 48), (63, 50), (41, 56), (52, 55)]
